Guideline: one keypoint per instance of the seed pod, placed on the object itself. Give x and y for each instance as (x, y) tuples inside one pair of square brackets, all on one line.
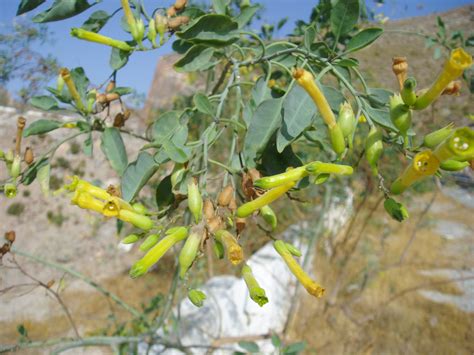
[(346, 120), (4, 249), (50, 283), (374, 148), (171, 11), (269, 216), (29, 156), (225, 196), (337, 139), (110, 86), (208, 209), (240, 224), (101, 99), (16, 167), (130, 239), (432, 139), (176, 22), (195, 200), (188, 252), (111, 97), (10, 236), (180, 4), (196, 297), (408, 92), (119, 120), (214, 224), (232, 204), (149, 242), (400, 114)]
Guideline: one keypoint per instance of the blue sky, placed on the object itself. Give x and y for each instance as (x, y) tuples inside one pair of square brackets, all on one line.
[(139, 72)]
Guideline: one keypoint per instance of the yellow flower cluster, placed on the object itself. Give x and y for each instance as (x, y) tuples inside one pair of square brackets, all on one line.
[(90, 197)]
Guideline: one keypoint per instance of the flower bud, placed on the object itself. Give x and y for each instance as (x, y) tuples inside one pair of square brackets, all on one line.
[(15, 169), (149, 242), (346, 120), (98, 38), (10, 190), (214, 224), (225, 196), (161, 23), (337, 139), (140, 208), (155, 253), (293, 250), (152, 33), (196, 297), (268, 197), (29, 157), (400, 114), (374, 148), (453, 165), (110, 86), (91, 98), (188, 252), (138, 220), (257, 294), (195, 201), (130, 239), (408, 92), (432, 139), (60, 84), (395, 209), (321, 178), (9, 156), (318, 167), (291, 175), (269, 216)]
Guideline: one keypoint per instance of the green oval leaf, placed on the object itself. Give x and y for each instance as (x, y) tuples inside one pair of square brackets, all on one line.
[(363, 39), (198, 57), (28, 5), (46, 103), (250, 346), (118, 58), (213, 29), (96, 21), (62, 9), (203, 104), (114, 149), (344, 16), (41, 126), (137, 174)]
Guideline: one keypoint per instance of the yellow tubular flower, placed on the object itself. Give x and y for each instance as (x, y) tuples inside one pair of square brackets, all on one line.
[(101, 39), (114, 204), (269, 182), (424, 164), (155, 253), (235, 253), (84, 186), (248, 208), (453, 69), (306, 80), (257, 294), (86, 201), (460, 144), (311, 286), (127, 12), (318, 167), (66, 75), (138, 220)]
